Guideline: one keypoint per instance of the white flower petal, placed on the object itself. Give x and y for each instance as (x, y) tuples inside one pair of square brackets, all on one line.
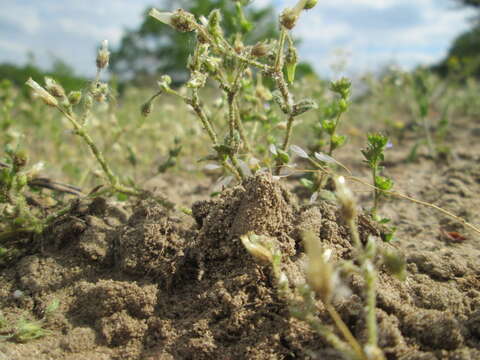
[(273, 149), (324, 157), (297, 150)]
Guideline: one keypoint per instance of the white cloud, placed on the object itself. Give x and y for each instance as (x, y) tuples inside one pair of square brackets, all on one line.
[(407, 32), (24, 17), (370, 31), (89, 30)]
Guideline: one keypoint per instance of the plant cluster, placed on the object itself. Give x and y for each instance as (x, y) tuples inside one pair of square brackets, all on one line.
[(249, 127), (239, 70)]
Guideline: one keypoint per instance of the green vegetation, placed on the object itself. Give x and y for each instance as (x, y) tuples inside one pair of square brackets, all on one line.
[(24, 330), (242, 109)]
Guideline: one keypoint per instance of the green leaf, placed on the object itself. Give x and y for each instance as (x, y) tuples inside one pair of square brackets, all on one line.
[(383, 183), (307, 183), (122, 197), (282, 157)]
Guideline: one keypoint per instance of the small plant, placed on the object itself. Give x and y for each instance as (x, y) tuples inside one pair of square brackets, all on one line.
[(341, 88), (26, 330), (374, 156), (326, 133), (231, 63), (382, 185), (173, 154), (55, 96), (16, 214)]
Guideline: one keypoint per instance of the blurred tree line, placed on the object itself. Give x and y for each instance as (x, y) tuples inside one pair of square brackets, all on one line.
[(154, 48), (463, 58), (60, 71)]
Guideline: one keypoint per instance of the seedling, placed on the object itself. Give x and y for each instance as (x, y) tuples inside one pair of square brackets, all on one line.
[(173, 155), (27, 330), (374, 156)]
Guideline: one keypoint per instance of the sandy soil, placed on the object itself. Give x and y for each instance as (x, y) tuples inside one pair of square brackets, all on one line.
[(137, 283)]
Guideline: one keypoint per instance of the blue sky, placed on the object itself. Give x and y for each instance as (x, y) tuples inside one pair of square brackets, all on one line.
[(350, 36)]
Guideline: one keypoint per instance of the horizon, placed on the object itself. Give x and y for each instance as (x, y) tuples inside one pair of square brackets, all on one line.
[(338, 37)]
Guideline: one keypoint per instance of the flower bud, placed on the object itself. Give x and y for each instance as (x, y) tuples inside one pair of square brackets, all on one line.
[(183, 21), (288, 18), (212, 64), (319, 273), (180, 20), (164, 82), (260, 247), (343, 105), (303, 106), (310, 4), (42, 93), (88, 103), (291, 61), (214, 27), (54, 88), (19, 159), (74, 97), (346, 199), (341, 87), (147, 108), (260, 49), (197, 80), (103, 56)]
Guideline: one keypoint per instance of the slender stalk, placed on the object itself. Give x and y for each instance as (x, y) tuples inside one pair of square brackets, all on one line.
[(423, 203), (93, 148), (337, 121), (195, 103), (333, 339), (375, 193), (240, 128), (235, 163), (232, 169), (281, 44), (428, 135), (231, 113), (288, 133), (340, 324), (370, 277)]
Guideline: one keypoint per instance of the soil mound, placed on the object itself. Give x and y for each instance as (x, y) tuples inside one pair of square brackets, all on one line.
[(139, 283)]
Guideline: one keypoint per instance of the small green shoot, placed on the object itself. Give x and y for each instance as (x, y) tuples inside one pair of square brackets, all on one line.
[(374, 156)]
